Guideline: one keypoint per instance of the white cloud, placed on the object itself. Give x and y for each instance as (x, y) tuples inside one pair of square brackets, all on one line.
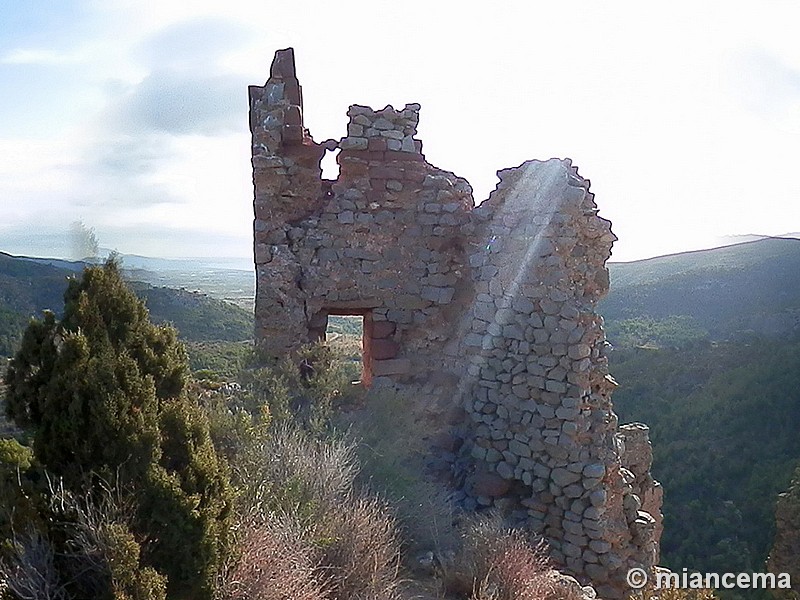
[(682, 114), (37, 56)]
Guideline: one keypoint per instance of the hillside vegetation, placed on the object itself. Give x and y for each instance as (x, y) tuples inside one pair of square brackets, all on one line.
[(707, 353), (710, 294), (28, 287), (706, 350), (724, 421), (127, 479)]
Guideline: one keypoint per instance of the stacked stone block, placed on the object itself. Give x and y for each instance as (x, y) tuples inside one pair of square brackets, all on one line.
[(386, 129), (537, 387), (485, 313)]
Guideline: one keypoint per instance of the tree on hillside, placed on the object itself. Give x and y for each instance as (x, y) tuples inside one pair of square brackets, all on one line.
[(102, 391)]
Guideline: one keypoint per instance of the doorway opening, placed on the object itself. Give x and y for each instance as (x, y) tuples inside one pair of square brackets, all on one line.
[(347, 333)]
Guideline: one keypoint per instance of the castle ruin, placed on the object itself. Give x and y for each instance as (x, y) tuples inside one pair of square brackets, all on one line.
[(487, 313)]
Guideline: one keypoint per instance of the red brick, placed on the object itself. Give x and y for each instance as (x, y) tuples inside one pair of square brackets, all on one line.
[(405, 156), (381, 349), (413, 175), (393, 366), (373, 155), (360, 154), (382, 329), (386, 172), (377, 144)]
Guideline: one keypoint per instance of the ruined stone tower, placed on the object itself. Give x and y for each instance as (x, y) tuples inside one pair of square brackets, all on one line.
[(486, 313)]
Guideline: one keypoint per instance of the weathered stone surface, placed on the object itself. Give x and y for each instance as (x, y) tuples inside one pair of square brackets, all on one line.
[(383, 349), (562, 477), (596, 470), (487, 309), (394, 366), (490, 484), (783, 557), (383, 329)]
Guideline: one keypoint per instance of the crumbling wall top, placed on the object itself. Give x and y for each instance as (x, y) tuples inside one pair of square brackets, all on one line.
[(380, 130), (486, 315)]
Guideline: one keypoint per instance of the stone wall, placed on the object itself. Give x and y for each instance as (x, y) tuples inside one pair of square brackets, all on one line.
[(486, 313), (784, 557)]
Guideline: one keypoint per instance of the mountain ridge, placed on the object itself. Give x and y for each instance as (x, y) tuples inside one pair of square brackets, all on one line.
[(29, 287), (747, 288)]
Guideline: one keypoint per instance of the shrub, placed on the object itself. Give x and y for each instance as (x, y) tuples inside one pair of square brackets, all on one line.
[(360, 549), (89, 386), (19, 499), (305, 388), (391, 452), (497, 563), (289, 470), (102, 392), (232, 425), (31, 572), (275, 563), (676, 594), (89, 552), (186, 501), (292, 480)]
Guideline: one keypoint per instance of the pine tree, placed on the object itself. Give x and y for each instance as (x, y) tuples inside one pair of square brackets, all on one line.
[(102, 391)]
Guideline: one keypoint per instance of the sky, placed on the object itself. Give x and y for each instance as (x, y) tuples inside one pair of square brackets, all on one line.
[(132, 117)]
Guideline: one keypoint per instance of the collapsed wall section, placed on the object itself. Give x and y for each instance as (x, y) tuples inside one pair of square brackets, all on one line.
[(486, 314), (544, 440)]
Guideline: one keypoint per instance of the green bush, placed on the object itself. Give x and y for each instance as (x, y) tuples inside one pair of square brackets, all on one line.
[(102, 391), (306, 388), (19, 490), (89, 552)]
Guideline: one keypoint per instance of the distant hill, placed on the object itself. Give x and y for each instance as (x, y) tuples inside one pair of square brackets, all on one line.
[(26, 289), (707, 353), (729, 240), (229, 279), (29, 286), (724, 421), (226, 278), (715, 294)]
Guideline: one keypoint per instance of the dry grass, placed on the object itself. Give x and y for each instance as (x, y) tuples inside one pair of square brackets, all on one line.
[(676, 594), (360, 549), (288, 470), (305, 531), (496, 563), (31, 573), (97, 554), (393, 458), (275, 563)]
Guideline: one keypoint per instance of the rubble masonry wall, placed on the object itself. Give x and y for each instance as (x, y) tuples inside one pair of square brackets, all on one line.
[(487, 313)]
